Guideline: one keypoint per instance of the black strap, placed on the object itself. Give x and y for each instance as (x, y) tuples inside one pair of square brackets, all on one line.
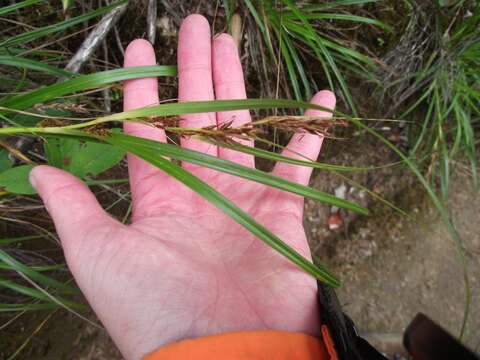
[(423, 339), (348, 344)]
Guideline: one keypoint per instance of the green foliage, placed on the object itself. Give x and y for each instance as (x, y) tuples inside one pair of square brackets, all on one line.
[(35, 34), (41, 299), (91, 81), (447, 88), (23, 63), (446, 93), (135, 145), (15, 180), (82, 155), (294, 27), (80, 158), (7, 9), (77, 157), (5, 162), (85, 158), (154, 152)]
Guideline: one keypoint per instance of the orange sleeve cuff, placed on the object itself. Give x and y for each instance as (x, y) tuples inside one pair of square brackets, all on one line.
[(251, 345)]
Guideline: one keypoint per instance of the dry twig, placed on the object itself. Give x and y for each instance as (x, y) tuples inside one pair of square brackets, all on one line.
[(151, 20), (95, 38)]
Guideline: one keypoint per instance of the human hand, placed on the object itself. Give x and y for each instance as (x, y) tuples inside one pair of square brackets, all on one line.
[(183, 269)]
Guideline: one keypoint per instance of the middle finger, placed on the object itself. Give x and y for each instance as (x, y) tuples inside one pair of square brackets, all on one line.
[(195, 77)]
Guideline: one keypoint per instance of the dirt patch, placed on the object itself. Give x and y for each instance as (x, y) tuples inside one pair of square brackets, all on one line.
[(392, 267), (61, 335)]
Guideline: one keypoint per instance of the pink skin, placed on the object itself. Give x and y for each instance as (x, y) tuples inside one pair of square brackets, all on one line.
[(183, 269)]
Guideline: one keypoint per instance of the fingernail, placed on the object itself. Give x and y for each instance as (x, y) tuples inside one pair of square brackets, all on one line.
[(32, 179)]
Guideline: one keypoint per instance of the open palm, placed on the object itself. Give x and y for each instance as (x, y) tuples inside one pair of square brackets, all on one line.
[(183, 269)]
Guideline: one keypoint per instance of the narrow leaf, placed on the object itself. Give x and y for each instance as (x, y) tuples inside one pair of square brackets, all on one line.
[(270, 155), (18, 239), (18, 266), (193, 107), (20, 62), (136, 144), (230, 209), (6, 9), (35, 293), (84, 82)]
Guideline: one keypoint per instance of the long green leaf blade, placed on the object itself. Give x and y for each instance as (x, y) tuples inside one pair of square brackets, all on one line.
[(331, 16), (20, 62), (270, 155), (230, 209), (334, 4), (130, 143), (25, 290), (6, 9), (325, 53), (17, 266), (83, 82), (17, 239), (26, 307)]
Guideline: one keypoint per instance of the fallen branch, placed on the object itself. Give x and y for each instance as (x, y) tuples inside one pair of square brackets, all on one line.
[(95, 38)]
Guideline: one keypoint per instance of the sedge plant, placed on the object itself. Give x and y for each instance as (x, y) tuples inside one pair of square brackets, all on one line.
[(441, 98), (445, 96), (297, 30)]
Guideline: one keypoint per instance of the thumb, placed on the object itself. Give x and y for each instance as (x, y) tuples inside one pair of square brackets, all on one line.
[(72, 206)]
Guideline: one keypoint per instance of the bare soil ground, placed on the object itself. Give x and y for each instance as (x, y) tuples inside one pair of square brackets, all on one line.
[(393, 267)]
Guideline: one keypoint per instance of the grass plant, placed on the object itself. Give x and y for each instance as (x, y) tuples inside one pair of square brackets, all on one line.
[(296, 29), (444, 95)]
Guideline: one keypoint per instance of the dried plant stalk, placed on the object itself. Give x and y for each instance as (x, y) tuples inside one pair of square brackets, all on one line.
[(224, 132)]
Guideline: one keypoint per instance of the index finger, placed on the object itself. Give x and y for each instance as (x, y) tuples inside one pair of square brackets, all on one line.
[(141, 93)]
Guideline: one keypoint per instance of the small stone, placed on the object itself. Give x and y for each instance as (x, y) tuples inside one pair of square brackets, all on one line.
[(335, 221)]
